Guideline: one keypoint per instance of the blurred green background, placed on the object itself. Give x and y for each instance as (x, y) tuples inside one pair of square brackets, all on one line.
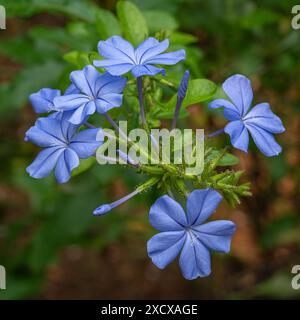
[(52, 246)]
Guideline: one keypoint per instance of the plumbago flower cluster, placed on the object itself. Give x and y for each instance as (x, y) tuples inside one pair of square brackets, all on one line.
[(66, 136)]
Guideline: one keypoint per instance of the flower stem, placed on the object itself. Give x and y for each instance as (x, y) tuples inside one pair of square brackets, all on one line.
[(176, 113), (112, 122), (124, 136), (89, 125), (105, 208), (127, 159), (141, 101), (216, 133), (181, 187)]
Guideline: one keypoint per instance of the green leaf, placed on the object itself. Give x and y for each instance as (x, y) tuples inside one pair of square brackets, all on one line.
[(168, 114), (81, 59), (107, 24), (227, 159), (182, 38), (193, 61), (44, 75), (76, 8), (278, 286), (72, 57), (132, 21), (160, 20), (20, 287), (85, 164), (199, 90), (259, 18), (283, 230)]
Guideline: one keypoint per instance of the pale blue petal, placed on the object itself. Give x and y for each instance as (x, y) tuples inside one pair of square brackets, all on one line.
[(164, 247), (168, 58), (108, 101), (238, 135), (238, 89), (194, 260), (54, 130), (42, 101), (231, 112), (85, 80), (109, 84), (85, 143), (146, 70), (149, 49), (264, 140), (70, 102), (80, 114), (114, 67), (41, 138), (67, 161), (71, 89), (44, 162), (117, 48), (167, 215), (52, 127), (201, 204), (68, 129), (262, 116), (216, 235), (58, 114)]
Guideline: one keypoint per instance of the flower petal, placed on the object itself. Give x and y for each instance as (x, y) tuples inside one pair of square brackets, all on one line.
[(68, 129), (52, 127), (149, 49), (114, 67), (80, 114), (201, 204), (108, 101), (42, 101), (71, 90), (264, 140), (107, 83), (147, 69), (117, 48), (238, 135), (216, 235), (194, 260), (85, 142), (41, 138), (164, 247), (238, 89), (167, 215), (168, 58), (262, 116), (231, 112), (70, 102), (67, 161), (44, 163), (85, 80)]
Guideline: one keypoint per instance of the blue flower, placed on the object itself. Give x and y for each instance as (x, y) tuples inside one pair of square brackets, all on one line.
[(122, 57), (187, 234), (42, 101), (91, 92), (260, 121), (63, 147)]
